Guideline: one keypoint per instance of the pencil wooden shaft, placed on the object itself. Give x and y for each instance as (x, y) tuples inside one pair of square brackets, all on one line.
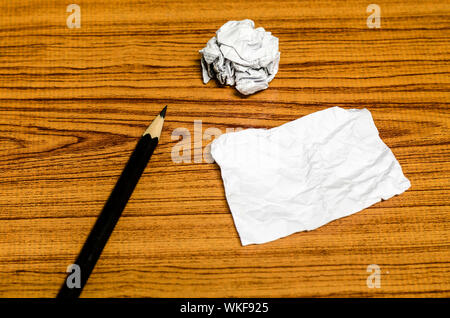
[(111, 212)]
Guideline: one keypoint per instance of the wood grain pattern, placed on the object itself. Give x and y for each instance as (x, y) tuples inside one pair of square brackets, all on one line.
[(73, 103)]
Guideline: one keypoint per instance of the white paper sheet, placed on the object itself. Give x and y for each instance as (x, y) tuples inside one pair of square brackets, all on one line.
[(241, 55), (305, 173)]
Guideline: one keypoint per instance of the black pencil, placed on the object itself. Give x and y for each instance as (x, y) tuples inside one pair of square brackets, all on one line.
[(113, 208)]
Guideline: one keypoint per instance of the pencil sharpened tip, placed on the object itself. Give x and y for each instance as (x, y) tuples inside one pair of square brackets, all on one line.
[(154, 130), (163, 112)]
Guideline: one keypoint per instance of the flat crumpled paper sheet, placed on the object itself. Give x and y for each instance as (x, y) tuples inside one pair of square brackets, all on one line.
[(241, 55), (305, 173)]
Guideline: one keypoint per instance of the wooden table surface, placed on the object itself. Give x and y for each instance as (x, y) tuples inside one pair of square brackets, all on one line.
[(73, 103)]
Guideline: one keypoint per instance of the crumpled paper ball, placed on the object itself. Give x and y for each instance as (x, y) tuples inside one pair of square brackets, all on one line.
[(241, 55)]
